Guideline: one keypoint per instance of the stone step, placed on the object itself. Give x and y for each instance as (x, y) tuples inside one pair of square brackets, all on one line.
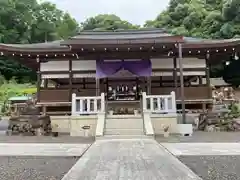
[(123, 117), (124, 137), (124, 124), (123, 132)]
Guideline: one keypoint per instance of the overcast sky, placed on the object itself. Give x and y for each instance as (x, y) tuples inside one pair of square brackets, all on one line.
[(134, 11)]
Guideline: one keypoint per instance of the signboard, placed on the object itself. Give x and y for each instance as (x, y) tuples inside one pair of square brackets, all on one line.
[(85, 127)]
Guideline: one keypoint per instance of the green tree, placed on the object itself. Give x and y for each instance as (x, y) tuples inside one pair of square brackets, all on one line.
[(28, 21), (207, 19), (106, 22), (217, 19)]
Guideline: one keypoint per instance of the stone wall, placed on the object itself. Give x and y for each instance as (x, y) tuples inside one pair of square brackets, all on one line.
[(61, 124), (73, 125), (79, 121), (161, 121)]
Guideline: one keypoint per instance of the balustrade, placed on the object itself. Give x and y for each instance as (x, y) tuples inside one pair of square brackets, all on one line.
[(159, 103), (88, 105)]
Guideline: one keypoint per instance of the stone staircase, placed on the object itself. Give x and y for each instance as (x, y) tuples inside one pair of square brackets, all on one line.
[(124, 125)]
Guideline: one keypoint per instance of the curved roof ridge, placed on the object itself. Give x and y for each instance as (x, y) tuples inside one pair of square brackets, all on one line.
[(120, 31), (123, 34), (42, 45)]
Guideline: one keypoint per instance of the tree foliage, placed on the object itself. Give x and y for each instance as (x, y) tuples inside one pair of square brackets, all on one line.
[(27, 21), (198, 18), (106, 22)]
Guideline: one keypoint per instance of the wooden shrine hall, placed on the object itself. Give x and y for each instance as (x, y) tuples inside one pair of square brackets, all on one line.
[(122, 64)]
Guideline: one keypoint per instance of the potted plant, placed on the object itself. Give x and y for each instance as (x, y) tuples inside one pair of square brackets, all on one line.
[(135, 112), (165, 131), (110, 112)]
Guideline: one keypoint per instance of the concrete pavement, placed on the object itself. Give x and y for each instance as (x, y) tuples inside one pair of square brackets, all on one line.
[(37, 149), (129, 160), (202, 149)]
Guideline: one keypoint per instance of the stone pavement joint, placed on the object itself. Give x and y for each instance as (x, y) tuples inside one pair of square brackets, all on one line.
[(141, 159)]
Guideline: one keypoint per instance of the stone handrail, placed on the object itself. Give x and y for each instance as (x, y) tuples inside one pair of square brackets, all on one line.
[(148, 124), (159, 103), (100, 124), (88, 105)]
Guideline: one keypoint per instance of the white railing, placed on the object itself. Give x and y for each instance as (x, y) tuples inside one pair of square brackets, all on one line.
[(88, 105), (159, 103)]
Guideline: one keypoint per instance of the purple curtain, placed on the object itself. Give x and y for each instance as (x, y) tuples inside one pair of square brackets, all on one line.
[(139, 68), (108, 68)]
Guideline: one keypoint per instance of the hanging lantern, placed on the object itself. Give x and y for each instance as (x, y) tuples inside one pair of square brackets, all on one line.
[(227, 63), (236, 56)]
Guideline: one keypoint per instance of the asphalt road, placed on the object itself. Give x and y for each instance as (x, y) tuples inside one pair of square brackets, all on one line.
[(35, 168), (214, 167)]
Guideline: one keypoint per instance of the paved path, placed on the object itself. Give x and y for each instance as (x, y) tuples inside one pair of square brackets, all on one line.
[(37, 149), (129, 160), (61, 139), (202, 149), (202, 137)]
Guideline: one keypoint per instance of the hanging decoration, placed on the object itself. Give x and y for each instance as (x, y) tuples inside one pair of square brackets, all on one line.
[(137, 67)]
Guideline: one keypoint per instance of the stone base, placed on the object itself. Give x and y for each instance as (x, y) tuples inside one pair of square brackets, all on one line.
[(164, 120)]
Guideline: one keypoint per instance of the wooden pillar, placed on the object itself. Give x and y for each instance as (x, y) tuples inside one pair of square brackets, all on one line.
[(160, 81), (208, 83), (106, 90), (182, 83), (200, 80), (175, 76), (84, 83), (149, 85), (38, 79), (97, 86), (45, 83), (70, 80)]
